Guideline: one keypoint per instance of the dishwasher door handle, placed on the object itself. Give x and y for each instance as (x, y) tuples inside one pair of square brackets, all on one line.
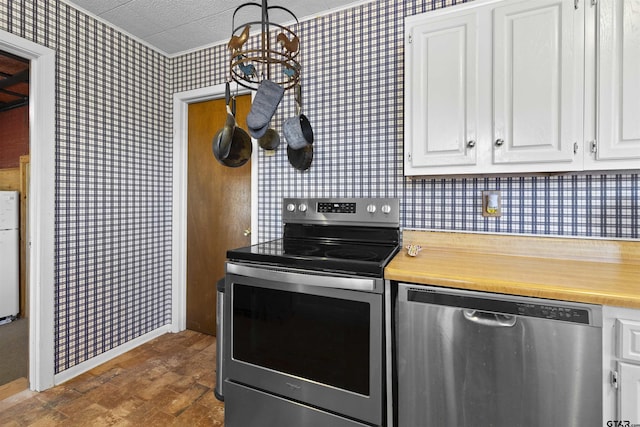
[(490, 319)]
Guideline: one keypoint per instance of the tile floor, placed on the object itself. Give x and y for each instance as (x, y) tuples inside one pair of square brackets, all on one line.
[(166, 382)]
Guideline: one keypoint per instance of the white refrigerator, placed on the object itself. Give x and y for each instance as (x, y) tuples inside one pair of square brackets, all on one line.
[(9, 253)]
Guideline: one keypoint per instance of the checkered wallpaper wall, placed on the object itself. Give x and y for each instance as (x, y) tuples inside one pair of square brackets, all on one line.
[(352, 82), (113, 179), (113, 160)]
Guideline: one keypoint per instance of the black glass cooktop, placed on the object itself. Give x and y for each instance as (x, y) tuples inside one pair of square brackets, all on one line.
[(326, 249)]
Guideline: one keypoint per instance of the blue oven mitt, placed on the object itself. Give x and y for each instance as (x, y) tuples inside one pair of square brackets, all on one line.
[(264, 106)]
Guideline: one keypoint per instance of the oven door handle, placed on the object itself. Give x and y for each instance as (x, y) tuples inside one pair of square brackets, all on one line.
[(306, 278)]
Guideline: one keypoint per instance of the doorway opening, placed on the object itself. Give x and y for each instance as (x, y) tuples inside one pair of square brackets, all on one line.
[(40, 207), (181, 101), (14, 193), (218, 206)]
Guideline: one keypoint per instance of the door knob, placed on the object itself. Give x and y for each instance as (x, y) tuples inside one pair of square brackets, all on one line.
[(499, 142), (246, 232), (471, 144)]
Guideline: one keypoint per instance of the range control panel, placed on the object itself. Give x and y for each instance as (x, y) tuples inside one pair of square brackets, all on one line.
[(349, 208), (343, 211)]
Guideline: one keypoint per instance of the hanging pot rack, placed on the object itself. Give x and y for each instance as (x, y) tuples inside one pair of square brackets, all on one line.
[(274, 56)]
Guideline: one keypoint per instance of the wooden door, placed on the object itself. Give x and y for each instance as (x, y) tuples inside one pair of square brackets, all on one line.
[(218, 210)]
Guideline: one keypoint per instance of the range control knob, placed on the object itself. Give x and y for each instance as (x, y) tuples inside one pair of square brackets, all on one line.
[(385, 209), (302, 207), (371, 208), (291, 207)]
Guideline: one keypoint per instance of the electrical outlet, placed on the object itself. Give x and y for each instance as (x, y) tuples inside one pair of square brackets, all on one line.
[(491, 203)]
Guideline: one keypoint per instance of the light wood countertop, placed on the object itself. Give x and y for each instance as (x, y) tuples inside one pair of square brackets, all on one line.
[(583, 270)]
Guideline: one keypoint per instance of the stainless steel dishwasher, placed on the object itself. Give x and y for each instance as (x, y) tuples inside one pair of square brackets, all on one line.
[(479, 359)]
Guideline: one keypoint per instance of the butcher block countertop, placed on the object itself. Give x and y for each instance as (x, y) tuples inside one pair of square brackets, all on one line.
[(593, 271)]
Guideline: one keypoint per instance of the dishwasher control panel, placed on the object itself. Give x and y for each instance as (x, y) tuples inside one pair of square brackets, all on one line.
[(553, 312), (505, 305)]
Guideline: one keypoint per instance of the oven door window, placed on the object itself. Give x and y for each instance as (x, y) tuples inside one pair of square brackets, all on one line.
[(319, 338)]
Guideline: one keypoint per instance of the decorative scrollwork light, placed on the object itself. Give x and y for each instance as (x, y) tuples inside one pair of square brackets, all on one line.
[(274, 56)]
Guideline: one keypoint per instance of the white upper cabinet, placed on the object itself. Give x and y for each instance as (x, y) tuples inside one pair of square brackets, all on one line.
[(617, 142), (534, 92), (442, 94), (519, 86)]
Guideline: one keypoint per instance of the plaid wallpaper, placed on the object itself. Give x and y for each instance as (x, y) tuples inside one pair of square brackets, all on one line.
[(352, 83), (113, 179), (113, 160)]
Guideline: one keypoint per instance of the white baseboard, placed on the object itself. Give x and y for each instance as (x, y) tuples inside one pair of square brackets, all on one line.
[(108, 355)]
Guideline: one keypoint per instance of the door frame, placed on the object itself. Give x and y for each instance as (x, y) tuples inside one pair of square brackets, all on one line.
[(41, 206), (181, 101)]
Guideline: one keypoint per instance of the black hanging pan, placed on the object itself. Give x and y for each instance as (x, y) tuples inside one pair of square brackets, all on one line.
[(231, 145), (241, 146), (222, 139), (270, 140), (300, 159)]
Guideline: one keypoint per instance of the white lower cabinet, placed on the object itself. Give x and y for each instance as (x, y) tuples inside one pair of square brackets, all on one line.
[(621, 366), (629, 392)]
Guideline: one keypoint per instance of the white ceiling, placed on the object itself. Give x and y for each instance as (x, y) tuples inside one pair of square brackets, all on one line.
[(177, 26)]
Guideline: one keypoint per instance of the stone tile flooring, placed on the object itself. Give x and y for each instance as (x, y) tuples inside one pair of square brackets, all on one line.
[(166, 382)]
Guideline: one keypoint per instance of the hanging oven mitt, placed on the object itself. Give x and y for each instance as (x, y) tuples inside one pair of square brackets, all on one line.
[(264, 106)]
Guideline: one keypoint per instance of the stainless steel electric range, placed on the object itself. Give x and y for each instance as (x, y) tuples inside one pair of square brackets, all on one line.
[(306, 341)]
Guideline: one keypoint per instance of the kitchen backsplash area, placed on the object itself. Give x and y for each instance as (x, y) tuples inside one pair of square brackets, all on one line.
[(352, 84), (113, 179)]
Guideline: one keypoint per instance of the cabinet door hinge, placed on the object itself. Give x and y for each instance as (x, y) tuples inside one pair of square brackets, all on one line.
[(410, 38), (614, 379), (575, 148), (594, 146)]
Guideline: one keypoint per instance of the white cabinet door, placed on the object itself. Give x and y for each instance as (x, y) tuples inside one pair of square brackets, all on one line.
[(628, 338), (534, 90), (618, 101), (441, 92), (629, 393), (620, 327), (490, 87)]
